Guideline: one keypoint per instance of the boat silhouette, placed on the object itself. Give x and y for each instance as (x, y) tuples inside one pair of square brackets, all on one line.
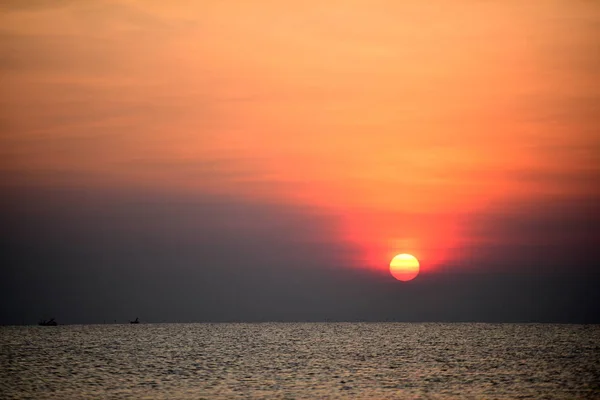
[(50, 322), (136, 321)]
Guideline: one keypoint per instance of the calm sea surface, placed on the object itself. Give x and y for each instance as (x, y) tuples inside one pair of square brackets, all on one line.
[(300, 360)]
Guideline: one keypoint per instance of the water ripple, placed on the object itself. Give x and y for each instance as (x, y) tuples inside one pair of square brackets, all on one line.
[(300, 360)]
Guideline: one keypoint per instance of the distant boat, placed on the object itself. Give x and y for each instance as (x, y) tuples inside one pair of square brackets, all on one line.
[(136, 321), (50, 322)]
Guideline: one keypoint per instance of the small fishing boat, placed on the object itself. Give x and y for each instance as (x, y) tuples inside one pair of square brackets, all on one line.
[(136, 321), (49, 322)]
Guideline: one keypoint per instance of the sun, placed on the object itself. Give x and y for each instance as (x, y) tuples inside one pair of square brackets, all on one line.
[(404, 267)]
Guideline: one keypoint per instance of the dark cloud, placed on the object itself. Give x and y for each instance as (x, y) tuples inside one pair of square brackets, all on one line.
[(550, 235), (60, 243), (89, 255)]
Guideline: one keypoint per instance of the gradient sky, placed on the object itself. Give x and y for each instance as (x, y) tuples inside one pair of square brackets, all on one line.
[(258, 160)]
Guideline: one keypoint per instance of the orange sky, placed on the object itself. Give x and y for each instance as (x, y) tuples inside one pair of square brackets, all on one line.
[(399, 117)]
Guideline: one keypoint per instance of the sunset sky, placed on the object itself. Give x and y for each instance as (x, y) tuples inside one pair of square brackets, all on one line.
[(251, 141)]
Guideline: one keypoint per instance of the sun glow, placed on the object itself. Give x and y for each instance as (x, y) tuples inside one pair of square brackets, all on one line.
[(404, 267)]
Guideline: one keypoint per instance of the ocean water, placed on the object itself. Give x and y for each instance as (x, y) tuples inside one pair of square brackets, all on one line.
[(300, 360)]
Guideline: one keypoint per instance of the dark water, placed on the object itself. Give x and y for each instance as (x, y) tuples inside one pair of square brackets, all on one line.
[(300, 360)]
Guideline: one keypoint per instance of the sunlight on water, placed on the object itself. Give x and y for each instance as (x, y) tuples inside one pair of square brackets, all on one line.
[(300, 360)]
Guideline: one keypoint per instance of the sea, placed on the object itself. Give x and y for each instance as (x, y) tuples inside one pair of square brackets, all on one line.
[(300, 361)]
